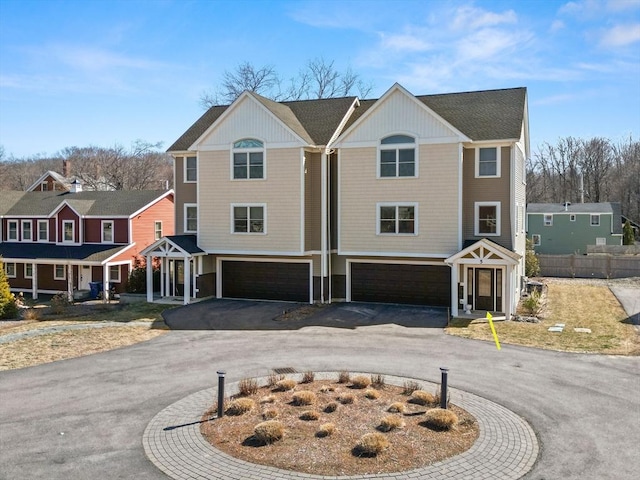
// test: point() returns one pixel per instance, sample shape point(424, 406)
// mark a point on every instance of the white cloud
point(405, 42)
point(469, 17)
point(621, 35)
point(556, 26)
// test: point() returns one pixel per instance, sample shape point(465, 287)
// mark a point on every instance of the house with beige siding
point(402, 199)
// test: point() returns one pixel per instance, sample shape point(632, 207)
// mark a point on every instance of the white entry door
point(85, 277)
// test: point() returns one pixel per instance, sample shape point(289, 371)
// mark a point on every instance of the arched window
point(248, 159)
point(397, 156)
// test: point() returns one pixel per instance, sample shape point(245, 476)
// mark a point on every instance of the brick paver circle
point(507, 447)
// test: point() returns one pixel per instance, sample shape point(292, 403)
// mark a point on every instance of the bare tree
point(319, 79)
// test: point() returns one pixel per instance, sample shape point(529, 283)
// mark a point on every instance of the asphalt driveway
point(227, 314)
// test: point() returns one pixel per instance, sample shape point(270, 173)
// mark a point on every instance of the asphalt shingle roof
point(602, 207)
point(186, 242)
point(482, 115)
point(33, 251)
point(99, 203)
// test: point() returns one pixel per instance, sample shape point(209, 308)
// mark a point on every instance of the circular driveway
point(85, 417)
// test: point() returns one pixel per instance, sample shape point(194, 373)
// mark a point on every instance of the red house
point(53, 241)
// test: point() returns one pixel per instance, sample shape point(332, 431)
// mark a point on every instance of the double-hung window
point(107, 231)
point(59, 272)
point(548, 220)
point(28, 270)
point(249, 218)
point(487, 218)
point(190, 218)
point(157, 229)
point(397, 219)
point(488, 162)
point(27, 234)
point(190, 169)
point(12, 230)
point(397, 156)
point(68, 231)
point(10, 270)
point(536, 239)
point(43, 230)
point(248, 159)
point(114, 273)
point(595, 220)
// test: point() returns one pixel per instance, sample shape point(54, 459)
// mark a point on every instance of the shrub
point(377, 381)
point(628, 238)
point(331, 407)
point(344, 377)
point(273, 379)
point(30, 314)
point(248, 386)
point(441, 418)
point(308, 377)
point(304, 397)
point(240, 406)
point(60, 303)
point(420, 397)
point(532, 303)
point(531, 263)
point(8, 305)
point(360, 382)
point(269, 431)
point(325, 430)
point(346, 398)
point(390, 422)
point(309, 415)
point(270, 414)
point(285, 384)
point(371, 444)
point(409, 387)
point(371, 394)
point(396, 407)
point(137, 281)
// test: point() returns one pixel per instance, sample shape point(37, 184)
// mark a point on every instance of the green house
point(565, 228)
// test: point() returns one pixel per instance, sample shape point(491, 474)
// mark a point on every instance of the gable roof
point(55, 175)
point(94, 203)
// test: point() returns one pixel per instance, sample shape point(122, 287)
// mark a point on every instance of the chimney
point(76, 186)
point(66, 168)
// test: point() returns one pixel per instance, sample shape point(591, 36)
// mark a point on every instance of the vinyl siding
point(313, 201)
point(281, 192)
point(184, 193)
point(435, 192)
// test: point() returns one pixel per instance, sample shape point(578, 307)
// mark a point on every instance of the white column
point(149, 273)
point(187, 280)
point(70, 282)
point(167, 272)
point(34, 281)
point(105, 282)
point(454, 289)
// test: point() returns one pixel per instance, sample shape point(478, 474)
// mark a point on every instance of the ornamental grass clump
point(344, 377)
point(248, 387)
point(371, 445)
point(371, 394)
point(397, 407)
point(420, 397)
point(308, 377)
point(270, 414)
point(309, 415)
point(377, 381)
point(390, 422)
point(303, 397)
point(325, 430)
point(273, 379)
point(269, 431)
point(346, 398)
point(330, 407)
point(327, 388)
point(240, 406)
point(441, 419)
point(285, 384)
point(268, 399)
point(360, 382)
point(409, 387)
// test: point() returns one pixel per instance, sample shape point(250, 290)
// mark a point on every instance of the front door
point(484, 283)
point(85, 277)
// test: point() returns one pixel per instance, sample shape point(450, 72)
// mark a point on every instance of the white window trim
point(572, 217)
point(544, 220)
point(533, 239)
point(44, 187)
point(591, 216)
point(155, 229)
point(189, 205)
point(116, 279)
point(55, 272)
point(17, 224)
point(498, 162)
point(248, 151)
point(6, 269)
point(25, 270)
point(397, 147)
point(73, 231)
point(476, 220)
point(46, 223)
point(398, 204)
point(113, 236)
point(22, 225)
point(248, 205)
point(184, 167)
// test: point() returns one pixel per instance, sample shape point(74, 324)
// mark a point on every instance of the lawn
point(575, 305)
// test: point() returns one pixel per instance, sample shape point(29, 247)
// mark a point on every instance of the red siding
point(143, 225)
point(67, 214)
point(93, 230)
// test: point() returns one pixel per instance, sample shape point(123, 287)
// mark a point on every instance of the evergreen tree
point(628, 237)
point(8, 307)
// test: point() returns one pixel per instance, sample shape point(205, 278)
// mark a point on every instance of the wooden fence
point(589, 266)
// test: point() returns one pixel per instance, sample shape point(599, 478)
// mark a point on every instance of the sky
point(110, 72)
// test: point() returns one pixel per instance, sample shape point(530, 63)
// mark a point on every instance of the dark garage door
point(266, 280)
point(410, 284)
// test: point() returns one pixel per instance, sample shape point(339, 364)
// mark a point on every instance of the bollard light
point(221, 374)
point(443, 387)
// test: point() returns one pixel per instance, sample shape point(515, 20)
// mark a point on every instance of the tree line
point(591, 170)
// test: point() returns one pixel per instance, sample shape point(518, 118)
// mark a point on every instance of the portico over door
point(484, 289)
